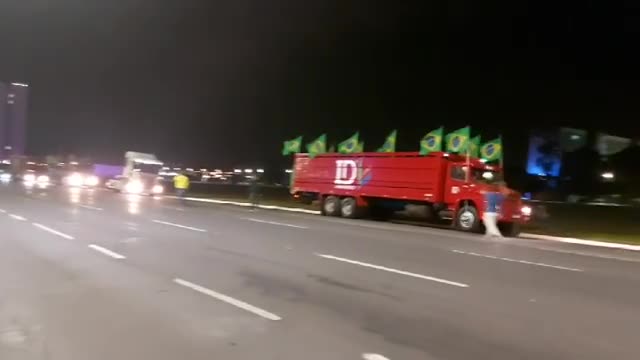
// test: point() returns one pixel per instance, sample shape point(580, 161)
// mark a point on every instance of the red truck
point(377, 183)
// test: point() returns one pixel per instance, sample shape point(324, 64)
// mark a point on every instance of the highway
point(91, 274)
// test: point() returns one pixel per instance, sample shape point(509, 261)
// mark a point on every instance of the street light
point(288, 171)
point(260, 171)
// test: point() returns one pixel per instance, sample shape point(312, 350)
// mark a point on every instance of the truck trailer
point(451, 187)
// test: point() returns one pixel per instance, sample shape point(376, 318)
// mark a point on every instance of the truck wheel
point(331, 206)
point(349, 208)
point(467, 219)
point(510, 229)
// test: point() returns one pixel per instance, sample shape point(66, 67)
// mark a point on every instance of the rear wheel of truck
point(510, 229)
point(349, 208)
point(331, 206)
point(467, 219)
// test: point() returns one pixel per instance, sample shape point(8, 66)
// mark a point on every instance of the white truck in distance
point(139, 175)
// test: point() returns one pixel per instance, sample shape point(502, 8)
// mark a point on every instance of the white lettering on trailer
point(346, 172)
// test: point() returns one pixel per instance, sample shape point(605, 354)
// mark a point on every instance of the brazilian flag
point(474, 147)
point(317, 146)
point(390, 143)
point(492, 150)
point(432, 142)
point(457, 141)
point(350, 145)
point(292, 146)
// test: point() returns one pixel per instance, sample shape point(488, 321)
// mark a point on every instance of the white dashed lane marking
point(517, 261)
point(107, 252)
point(53, 231)
point(179, 226)
point(17, 217)
point(395, 271)
point(229, 300)
point(276, 223)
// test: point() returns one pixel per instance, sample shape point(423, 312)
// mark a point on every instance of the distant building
point(14, 99)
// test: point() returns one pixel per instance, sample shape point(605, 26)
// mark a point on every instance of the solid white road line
point(52, 231)
point(611, 245)
point(107, 252)
point(91, 207)
point(276, 223)
point(401, 272)
point(17, 217)
point(517, 261)
point(374, 357)
point(179, 226)
point(229, 300)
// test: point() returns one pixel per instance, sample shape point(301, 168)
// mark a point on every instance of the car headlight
point(91, 180)
point(5, 177)
point(29, 177)
point(75, 180)
point(43, 179)
point(526, 210)
point(157, 189)
point(134, 187)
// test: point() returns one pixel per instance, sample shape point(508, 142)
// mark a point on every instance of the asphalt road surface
point(99, 275)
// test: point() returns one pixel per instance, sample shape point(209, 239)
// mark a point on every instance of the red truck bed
point(406, 176)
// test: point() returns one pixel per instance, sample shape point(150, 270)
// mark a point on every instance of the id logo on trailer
point(346, 172)
point(351, 174)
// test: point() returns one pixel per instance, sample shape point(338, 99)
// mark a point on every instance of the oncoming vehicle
point(140, 175)
point(81, 177)
point(36, 174)
point(5, 172)
point(379, 183)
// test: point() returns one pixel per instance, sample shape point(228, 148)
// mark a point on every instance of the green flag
point(350, 145)
point(390, 143)
point(492, 150)
point(474, 147)
point(292, 146)
point(432, 142)
point(360, 147)
point(317, 146)
point(457, 140)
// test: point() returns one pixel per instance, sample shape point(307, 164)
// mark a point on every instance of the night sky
point(221, 83)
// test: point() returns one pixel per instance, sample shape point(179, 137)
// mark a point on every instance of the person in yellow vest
point(181, 184)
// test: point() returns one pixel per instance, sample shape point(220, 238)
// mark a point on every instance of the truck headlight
point(91, 180)
point(526, 210)
point(157, 189)
point(75, 180)
point(134, 187)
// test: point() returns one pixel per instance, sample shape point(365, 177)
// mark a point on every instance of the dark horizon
point(225, 84)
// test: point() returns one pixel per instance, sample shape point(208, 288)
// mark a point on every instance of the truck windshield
point(147, 168)
point(486, 176)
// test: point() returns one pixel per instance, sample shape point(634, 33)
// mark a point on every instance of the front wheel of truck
point(467, 219)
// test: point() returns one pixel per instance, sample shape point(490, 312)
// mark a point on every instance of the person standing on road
point(181, 184)
point(493, 199)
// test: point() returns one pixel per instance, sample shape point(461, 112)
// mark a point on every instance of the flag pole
point(468, 163)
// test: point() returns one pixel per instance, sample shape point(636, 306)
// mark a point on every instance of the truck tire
point(349, 208)
point(510, 229)
point(467, 219)
point(331, 206)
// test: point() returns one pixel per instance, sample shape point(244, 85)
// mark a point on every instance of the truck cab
point(140, 175)
point(465, 190)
